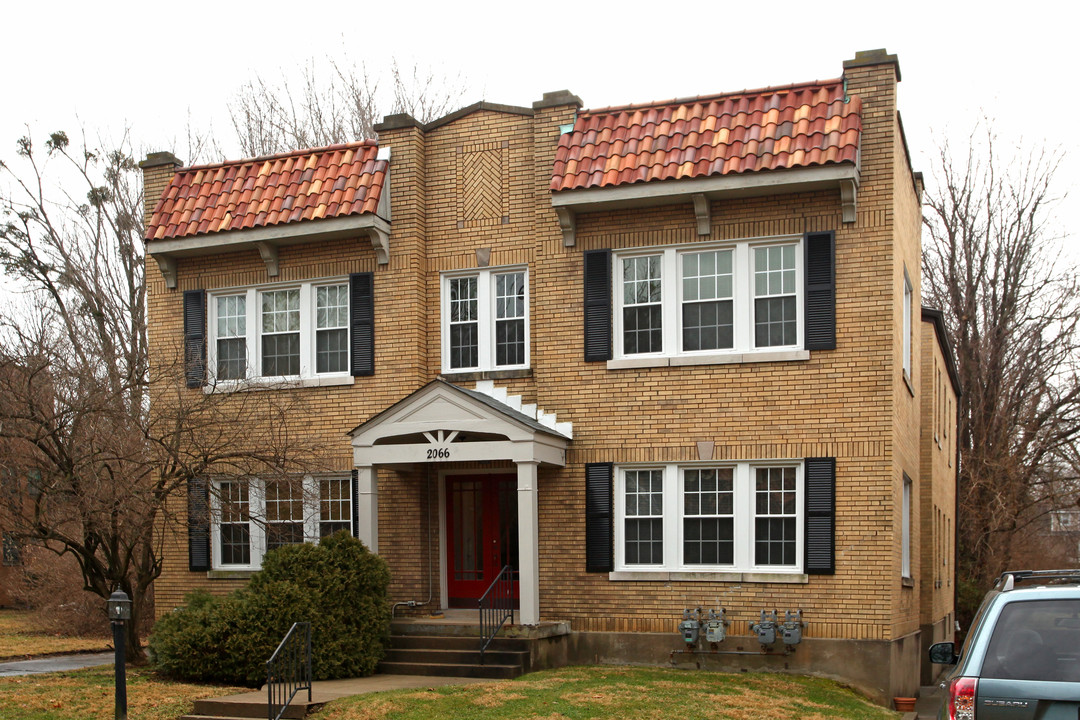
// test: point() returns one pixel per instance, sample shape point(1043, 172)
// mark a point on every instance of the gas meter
point(714, 626)
point(792, 627)
point(690, 625)
point(765, 629)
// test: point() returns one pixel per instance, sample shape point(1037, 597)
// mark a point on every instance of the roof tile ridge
point(711, 98)
point(277, 156)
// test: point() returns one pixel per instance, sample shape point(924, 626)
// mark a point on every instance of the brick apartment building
point(653, 357)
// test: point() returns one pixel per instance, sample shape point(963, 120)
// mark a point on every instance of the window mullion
point(800, 298)
point(617, 306)
point(744, 513)
point(672, 518)
point(670, 297)
point(619, 536)
point(444, 319)
point(311, 498)
point(307, 333)
point(215, 525)
point(742, 308)
point(485, 318)
point(257, 520)
point(253, 350)
point(212, 337)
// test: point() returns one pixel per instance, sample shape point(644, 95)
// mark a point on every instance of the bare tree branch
point(1012, 310)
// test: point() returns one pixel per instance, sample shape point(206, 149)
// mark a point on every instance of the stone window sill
point(685, 576)
point(230, 386)
point(486, 375)
point(230, 574)
point(710, 359)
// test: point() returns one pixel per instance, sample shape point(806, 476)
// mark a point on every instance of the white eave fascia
point(267, 239)
point(844, 176)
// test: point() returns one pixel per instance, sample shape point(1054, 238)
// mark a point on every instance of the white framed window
point(905, 529)
point(485, 320)
point(251, 516)
point(908, 298)
point(289, 331)
point(709, 298)
point(710, 517)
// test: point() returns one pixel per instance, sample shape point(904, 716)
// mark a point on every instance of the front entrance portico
point(444, 424)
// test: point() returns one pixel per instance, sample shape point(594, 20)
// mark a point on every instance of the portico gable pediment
point(444, 422)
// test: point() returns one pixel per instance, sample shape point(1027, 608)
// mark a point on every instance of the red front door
point(482, 534)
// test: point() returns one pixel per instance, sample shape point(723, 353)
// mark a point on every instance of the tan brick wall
point(845, 403)
point(938, 486)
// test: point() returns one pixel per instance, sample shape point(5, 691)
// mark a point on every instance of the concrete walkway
point(60, 663)
point(930, 697)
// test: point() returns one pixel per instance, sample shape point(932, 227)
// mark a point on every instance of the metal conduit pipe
point(431, 585)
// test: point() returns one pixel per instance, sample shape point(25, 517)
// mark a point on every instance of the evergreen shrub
point(339, 586)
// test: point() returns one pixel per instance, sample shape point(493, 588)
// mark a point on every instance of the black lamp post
point(120, 611)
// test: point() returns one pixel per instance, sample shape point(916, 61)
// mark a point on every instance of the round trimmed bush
point(339, 586)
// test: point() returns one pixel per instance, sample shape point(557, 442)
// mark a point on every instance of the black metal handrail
point(496, 607)
point(288, 671)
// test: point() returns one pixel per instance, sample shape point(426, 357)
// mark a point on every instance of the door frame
point(444, 540)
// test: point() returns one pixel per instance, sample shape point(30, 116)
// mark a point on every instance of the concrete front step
point(457, 657)
point(454, 642)
point(247, 706)
point(464, 670)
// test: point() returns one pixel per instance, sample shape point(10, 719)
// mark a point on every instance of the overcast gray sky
point(108, 65)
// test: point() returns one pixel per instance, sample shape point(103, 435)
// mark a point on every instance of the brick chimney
point(158, 169)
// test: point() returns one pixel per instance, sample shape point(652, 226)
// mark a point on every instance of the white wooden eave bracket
point(167, 265)
point(848, 198)
point(379, 233)
point(269, 254)
point(701, 212)
point(568, 226)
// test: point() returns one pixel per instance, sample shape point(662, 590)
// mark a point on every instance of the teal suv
point(1021, 660)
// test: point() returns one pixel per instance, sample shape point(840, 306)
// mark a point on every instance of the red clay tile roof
point(327, 182)
point(781, 127)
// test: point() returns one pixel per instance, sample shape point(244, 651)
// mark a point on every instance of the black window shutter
point(820, 516)
point(195, 337)
point(597, 305)
point(362, 322)
point(354, 488)
point(198, 524)
point(599, 519)
point(820, 291)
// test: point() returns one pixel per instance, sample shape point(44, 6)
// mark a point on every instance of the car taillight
point(962, 698)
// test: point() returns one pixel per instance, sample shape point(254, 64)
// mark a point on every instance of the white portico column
point(367, 506)
point(528, 543)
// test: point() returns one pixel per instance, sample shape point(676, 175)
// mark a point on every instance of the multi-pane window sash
point(252, 516)
point(231, 336)
point(709, 298)
point(719, 517)
point(332, 329)
point(280, 312)
point(775, 301)
point(293, 331)
point(485, 320)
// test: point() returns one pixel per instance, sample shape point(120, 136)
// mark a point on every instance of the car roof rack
point(1008, 579)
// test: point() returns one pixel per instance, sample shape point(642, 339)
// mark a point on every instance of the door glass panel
point(468, 530)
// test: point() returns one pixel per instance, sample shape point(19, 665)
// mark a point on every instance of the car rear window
point(1036, 640)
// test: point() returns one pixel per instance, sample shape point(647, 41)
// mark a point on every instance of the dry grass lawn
point(89, 694)
point(19, 640)
point(585, 693)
